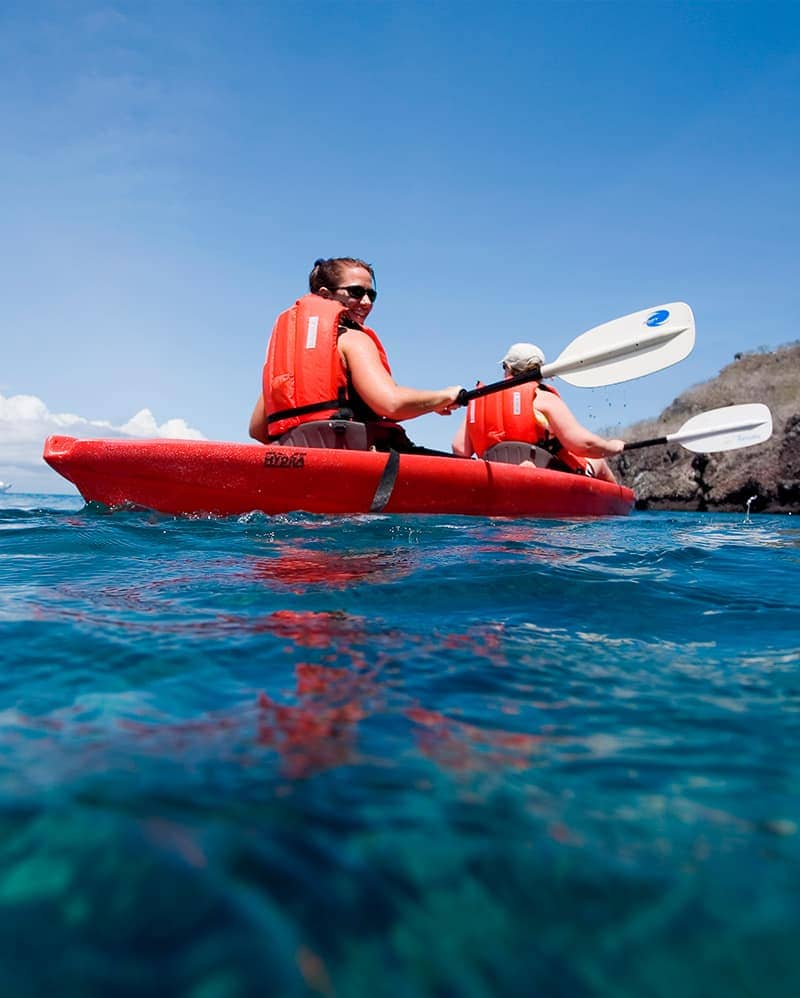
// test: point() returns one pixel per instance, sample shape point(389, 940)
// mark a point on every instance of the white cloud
point(25, 421)
point(143, 424)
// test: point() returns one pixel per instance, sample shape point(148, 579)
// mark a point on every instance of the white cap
point(522, 356)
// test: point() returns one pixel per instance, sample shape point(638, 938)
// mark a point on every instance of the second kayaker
point(532, 414)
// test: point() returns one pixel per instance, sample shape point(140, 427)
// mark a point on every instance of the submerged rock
point(671, 477)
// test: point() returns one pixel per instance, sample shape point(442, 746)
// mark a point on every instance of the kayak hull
point(224, 479)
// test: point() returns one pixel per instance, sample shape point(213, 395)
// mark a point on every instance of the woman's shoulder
point(353, 335)
point(355, 345)
point(545, 397)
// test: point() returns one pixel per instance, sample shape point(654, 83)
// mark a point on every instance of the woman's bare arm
point(462, 445)
point(571, 433)
point(380, 391)
point(258, 422)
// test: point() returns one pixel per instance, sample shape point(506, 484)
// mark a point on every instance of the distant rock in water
point(671, 477)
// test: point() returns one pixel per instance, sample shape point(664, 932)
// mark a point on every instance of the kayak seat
point(335, 434)
point(515, 452)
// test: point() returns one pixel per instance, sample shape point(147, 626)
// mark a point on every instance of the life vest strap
point(302, 410)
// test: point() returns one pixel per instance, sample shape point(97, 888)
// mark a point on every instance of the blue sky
point(518, 172)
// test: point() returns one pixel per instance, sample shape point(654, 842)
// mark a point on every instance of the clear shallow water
point(398, 756)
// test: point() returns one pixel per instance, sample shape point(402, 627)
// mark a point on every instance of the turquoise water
point(398, 756)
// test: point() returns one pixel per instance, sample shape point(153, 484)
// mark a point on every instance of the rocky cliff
point(671, 477)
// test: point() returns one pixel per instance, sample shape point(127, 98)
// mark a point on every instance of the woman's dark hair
point(325, 273)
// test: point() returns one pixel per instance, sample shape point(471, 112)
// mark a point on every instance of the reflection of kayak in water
point(198, 476)
point(5, 486)
point(299, 568)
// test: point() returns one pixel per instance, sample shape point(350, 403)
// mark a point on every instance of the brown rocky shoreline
point(671, 477)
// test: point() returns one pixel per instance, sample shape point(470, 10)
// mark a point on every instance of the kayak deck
point(224, 479)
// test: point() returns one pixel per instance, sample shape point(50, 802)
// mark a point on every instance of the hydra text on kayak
point(273, 460)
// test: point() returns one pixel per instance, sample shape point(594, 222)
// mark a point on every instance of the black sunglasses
point(357, 292)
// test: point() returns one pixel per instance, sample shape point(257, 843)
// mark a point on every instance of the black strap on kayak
point(383, 493)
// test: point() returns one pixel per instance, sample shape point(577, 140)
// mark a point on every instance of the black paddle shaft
point(647, 443)
point(534, 374)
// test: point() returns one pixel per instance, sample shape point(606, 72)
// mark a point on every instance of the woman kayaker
point(533, 413)
point(323, 363)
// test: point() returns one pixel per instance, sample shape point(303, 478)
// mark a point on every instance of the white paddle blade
point(627, 348)
point(728, 428)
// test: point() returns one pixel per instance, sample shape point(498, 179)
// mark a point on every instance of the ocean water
point(398, 756)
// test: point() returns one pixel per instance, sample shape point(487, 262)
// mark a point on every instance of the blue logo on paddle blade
point(657, 318)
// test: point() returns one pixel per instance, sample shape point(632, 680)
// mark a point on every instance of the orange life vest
point(304, 377)
point(510, 415)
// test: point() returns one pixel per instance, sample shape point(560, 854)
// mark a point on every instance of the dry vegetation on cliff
point(671, 477)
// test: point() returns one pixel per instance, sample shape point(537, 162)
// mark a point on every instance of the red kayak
point(224, 479)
